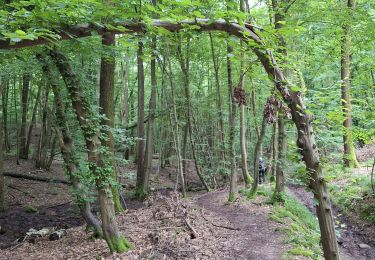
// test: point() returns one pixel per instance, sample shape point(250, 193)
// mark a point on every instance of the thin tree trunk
point(125, 115)
point(218, 102)
point(233, 189)
point(275, 150)
point(2, 178)
point(116, 242)
point(44, 138)
point(5, 96)
point(184, 64)
point(33, 119)
point(350, 159)
point(16, 120)
point(23, 154)
point(257, 155)
point(245, 170)
point(140, 193)
point(177, 132)
point(280, 177)
point(106, 103)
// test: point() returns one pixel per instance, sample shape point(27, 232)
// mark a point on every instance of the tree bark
point(233, 189)
point(33, 119)
point(43, 143)
point(150, 124)
point(116, 242)
point(140, 192)
point(176, 131)
point(23, 154)
point(280, 177)
point(218, 102)
point(2, 179)
point(4, 97)
point(257, 154)
point(106, 103)
point(66, 146)
point(245, 170)
point(350, 159)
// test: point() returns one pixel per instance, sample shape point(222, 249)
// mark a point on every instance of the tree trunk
point(150, 124)
point(16, 120)
point(33, 119)
point(176, 133)
point(41, 159)
point(184, 64)
point(280, 177)
point(124, 113)
point(70, 160)
point(5, 96)
point(83, 110)
point(350, 159)
point(233, 189)
point(106, 103)
point(245, 170)
point(257, 154)
point(218, 102)
point(23, 154)
point(271, 168)
point(140, 192)
point(2, 179)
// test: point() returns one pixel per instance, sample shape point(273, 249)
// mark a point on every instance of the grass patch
point(301, 228)
point(31, 209)
point(352, 193)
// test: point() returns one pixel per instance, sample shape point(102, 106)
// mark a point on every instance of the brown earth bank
point(353, 232)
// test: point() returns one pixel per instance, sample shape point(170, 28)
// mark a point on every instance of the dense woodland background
point(203, 88)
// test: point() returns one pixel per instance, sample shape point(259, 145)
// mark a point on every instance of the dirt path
point(256, 237)
point(352, 233)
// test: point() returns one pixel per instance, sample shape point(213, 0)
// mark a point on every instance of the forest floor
point(162, 227)
point(157, 227)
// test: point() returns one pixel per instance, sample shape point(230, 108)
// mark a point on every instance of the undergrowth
point(352, 193)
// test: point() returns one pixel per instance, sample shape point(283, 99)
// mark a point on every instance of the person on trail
point(262, 170)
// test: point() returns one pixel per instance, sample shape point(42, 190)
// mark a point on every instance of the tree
point(90, 128)
point(350, 159)
point(141, 184)
point(106, 103)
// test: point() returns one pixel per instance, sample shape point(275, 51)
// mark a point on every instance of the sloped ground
point(352, 230)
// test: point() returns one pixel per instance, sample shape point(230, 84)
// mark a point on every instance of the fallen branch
point(193, 233)
point(219, 226)
point(24, 192)
point(61, 204)
point(35, 178)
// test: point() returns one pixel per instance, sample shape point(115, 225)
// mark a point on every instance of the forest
point(187, 129)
